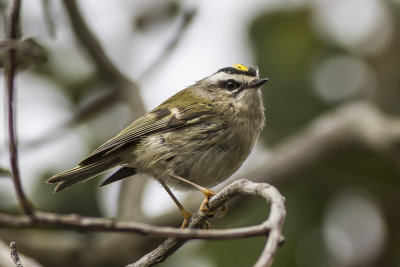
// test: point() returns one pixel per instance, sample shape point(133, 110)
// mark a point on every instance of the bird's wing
point(163, 118)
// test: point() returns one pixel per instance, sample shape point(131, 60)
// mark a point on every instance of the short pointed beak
point(257, 82)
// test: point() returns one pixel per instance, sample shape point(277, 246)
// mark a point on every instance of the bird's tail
point(81, 173)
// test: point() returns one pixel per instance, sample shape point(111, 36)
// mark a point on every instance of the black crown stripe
point(231, 70)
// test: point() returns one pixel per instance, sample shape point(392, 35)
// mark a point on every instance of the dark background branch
point(13, 33)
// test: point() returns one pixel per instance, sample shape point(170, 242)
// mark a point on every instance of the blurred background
point(331, 144)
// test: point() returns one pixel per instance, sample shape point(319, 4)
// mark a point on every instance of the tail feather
point(81, 173)
point(66, 184)
point(118, 175)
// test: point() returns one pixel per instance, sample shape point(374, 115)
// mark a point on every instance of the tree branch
point(13, 33)
point(272, 227)
point(77, 222)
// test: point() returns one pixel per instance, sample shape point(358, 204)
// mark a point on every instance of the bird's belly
point(205, 158)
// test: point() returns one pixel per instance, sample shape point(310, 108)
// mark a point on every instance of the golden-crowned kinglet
point(195, 139)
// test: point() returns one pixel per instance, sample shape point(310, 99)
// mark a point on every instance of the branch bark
point(14, 255)
point(13, 33)
point(271, 228)
point(6, 260)
point(81, 223)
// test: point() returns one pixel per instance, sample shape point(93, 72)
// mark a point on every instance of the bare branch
point(14, 255)
point(272, 227)
point(13, 33)
point(74, 221)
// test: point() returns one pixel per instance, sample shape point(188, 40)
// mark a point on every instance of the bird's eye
point(231, 85)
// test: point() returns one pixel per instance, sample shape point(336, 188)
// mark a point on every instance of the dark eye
point(231, 85)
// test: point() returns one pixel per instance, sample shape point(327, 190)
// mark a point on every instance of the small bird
point(194, 140)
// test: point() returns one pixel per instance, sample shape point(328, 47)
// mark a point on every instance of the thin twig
point(13, 33)
point(14, 255)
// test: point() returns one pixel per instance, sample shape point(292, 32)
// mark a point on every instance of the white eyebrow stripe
point(221, 76)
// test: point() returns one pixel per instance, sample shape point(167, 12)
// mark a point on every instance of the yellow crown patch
point(240, 67)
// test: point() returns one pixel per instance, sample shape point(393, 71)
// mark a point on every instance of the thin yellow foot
point(207, 195)
point(223, 209)
point(206, 225)
point(186, 217)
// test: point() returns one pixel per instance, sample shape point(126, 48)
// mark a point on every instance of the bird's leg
point(207, 193)
point(185, 213)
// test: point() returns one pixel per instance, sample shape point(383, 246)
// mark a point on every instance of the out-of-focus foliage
point(285, 48)
point(311, 74)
